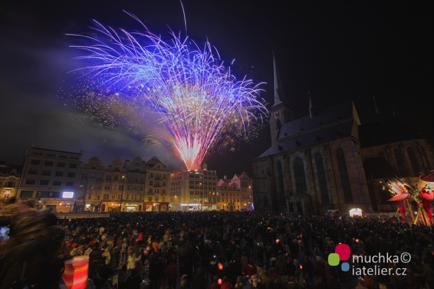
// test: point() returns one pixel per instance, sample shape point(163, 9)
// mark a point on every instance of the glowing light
point(196, 97)
point(355, 212)
point(219, 281)
point(220, 266)
point(68, 195)
point(277, 241)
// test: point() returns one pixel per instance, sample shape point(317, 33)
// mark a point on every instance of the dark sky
point(339, 50)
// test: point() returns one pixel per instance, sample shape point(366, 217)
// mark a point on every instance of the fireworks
point(398, 189)
point(196, 97)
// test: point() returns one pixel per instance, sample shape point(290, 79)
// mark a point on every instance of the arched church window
point(279, 176)
point(414, 161)
point(401, 163)
point(343, 173)
point(299, 176)
point(322, 179)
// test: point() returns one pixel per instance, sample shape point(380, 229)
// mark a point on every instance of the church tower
point(279, 113)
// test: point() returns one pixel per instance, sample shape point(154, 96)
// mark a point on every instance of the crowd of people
point(222, 250)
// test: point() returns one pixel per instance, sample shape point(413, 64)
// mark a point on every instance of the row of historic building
point(329, 160)
point(61, 181)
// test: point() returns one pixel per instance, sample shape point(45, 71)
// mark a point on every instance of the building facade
point(314, 163)
point(407, 158)
point(193, 190)
point(330, 161)
point(130, 186)
point(52, 177)
point(60, 181)
point(105, 187)
point(157, 182)
point(9, 182)
point(234, 194)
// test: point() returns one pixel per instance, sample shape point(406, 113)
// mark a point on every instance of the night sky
point(339, 50)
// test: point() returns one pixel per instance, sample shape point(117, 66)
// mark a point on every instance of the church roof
point(306, 140)
point(335, 122)
point(386, 130)
point(303, 125)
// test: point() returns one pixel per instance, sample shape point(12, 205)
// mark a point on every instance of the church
point(315, 163)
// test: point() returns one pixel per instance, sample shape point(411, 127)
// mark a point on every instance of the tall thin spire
point(277, 100)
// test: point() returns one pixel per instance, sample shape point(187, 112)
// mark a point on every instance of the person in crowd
point(250, 250)
point(205, 250)
point(32, 255)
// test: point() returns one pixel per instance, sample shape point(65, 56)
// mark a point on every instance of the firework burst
point(197, 98)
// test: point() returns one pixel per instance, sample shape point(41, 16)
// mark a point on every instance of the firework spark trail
point(197, 98)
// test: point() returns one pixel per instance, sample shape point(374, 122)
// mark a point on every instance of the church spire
point(279, 113)
point(277, 100)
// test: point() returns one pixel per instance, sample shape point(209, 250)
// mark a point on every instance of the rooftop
point(53, 150)
point(333, 123)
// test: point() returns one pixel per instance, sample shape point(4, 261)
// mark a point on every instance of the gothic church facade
point(314, 163)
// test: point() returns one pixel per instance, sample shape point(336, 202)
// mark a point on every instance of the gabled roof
point(9, 170)
point(155, 162)
point(94, 163)
point(306, 125)
point(137, 164)
point(235, 181)
point(244, 175)
point(221, 183)
point(332, 123)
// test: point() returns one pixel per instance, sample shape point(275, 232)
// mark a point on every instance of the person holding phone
point(31, 254)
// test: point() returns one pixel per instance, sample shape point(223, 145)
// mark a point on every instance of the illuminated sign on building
point(67, 195)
